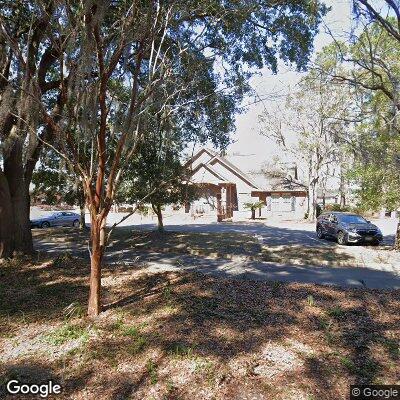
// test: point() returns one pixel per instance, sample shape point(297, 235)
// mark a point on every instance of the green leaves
point(254, 205)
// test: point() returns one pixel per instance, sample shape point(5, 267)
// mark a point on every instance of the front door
point(275, 203)
point(286, 203)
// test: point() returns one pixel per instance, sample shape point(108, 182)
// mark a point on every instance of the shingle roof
point(259, 180)
point(215, 157)
point(211, 170)
point(268, 183)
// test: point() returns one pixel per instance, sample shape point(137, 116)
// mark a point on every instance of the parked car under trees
point(347, 228)
point(61, 218)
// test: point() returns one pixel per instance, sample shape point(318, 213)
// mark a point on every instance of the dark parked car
point(347, 228)
point(60, 218)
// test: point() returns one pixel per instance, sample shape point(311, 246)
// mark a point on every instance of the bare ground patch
point(307, 255)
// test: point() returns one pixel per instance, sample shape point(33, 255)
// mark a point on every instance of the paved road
point(357, 266)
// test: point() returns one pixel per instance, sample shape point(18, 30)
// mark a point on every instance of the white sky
point(251, 149)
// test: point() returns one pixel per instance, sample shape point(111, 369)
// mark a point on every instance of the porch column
point(263, 209)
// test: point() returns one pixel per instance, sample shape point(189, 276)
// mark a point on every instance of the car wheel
point(341, 238)
point(45, 225)
point(75, 224)
point(320, 234)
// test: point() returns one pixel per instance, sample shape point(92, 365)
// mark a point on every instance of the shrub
point(152, 371)
point(337, 207)
point(336, 312)
point(334, 207)
point(253, 206)
point(67, 333)
point(310, 300)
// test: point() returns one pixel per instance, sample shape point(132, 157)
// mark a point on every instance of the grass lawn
point(187, 336)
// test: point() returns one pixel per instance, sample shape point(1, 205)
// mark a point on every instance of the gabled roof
point(216, 158)
point(199, 153)
point(211, 170)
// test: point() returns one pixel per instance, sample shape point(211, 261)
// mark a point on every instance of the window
point(275, 202)
point(286, 202)
point(352, 219)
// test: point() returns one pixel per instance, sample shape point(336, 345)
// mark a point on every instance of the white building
point(225, 189)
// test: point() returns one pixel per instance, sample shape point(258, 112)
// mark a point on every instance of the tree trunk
point(315, 202)
point(20, 200)
point(81, 202)
point(157, 209)
point(253, 213)
point(310, 216)
point(397, 238)
point(312, 193)
point(342, 188)
point(82, 221)
point(323, 184)
point(6, 218)
point(96, 259)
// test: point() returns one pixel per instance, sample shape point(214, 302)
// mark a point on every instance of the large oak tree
point(28, 53)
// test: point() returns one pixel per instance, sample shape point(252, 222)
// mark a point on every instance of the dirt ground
point(177, 335)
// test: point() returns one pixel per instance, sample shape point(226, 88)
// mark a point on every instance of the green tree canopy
point(113, 58)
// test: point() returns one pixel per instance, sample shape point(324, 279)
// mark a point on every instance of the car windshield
point(352, 219)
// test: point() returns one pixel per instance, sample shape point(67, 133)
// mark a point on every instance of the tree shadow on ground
point(34, 291)
point(178, 334)
point(222, 238)
point(297, 254)
point(247, 251)
point(238, 238)
point(218, 245)
point(223, 319)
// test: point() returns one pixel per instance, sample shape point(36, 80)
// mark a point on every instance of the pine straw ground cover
point(187, 336)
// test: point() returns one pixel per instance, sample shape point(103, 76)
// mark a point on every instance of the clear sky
point(251, 149)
